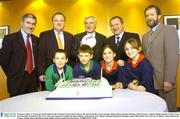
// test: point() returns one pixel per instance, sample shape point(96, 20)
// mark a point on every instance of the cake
point(81, 89)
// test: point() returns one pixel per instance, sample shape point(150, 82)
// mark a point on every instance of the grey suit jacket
point(161, 49)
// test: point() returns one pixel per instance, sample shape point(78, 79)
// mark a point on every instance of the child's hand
point(140, 88)
point(118, 85)
point(120, 62)
point(42, 78)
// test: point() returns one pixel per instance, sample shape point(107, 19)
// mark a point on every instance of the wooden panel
point(3, 87)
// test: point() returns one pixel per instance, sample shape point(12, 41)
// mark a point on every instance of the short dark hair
point(61, 51)
point(58, 13)
point(29, 15)
point(108, 46)
point(118, 17)
point(158, 10)
point(85, 49)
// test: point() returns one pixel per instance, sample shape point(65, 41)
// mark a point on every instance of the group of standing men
point(25, 57)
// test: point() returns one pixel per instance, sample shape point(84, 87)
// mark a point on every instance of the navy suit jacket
point(120, 54)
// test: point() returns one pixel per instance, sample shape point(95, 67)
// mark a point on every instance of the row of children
point(136, 73)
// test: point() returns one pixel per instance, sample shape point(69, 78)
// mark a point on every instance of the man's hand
point(167, 86)
point(42, 78)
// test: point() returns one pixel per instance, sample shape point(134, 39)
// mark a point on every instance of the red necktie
point(29, 61)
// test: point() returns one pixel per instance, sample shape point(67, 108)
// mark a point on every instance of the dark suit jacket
point(13, 59)
point(48, 46)
point(120, 54)
point(97, 50)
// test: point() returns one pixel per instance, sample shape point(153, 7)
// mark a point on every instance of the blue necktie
point(117, 38)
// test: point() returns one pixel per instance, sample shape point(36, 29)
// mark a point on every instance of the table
point(124, 100)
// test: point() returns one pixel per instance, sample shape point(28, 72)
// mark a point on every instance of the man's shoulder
point(167, 27)
point(100, 35)
point(131, 34)
point(111, 37)
point(12, 36)
point(68, 33)
point(47, 31)
point(80, 34)
point(34, 36)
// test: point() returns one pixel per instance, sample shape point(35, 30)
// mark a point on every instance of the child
point(139, 68)
point(86, 67)
point(58, 71)
point(114, 73)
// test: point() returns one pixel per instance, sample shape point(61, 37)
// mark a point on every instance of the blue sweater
point(118, 75)
point(94, 73)
point(143, 73)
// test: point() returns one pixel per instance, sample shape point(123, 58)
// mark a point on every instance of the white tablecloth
point(124, 100)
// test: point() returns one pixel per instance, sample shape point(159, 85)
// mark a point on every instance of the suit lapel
point(34, 45)
point(153, 36)
point(21, 40)
point(53, 39)
point(65, 40)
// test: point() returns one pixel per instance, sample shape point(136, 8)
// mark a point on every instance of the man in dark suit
point(52, 40)
point(90, 37)
point(19, 58)
point(118, 39)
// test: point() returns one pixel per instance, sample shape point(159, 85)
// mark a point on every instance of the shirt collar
point(56, 32)
point(104, 67)
point(24, 34)
point(154, 28)
point(93, 34)
point(56, 70)
point(120, 35)
point(141, 57)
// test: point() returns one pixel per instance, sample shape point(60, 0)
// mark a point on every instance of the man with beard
point(90, 37)
point(160, 46)
point(18, 58)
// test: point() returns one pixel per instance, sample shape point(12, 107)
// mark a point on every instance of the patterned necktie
point(150, 36)
point(117, 38)
point(59, 42)
point(29, 61)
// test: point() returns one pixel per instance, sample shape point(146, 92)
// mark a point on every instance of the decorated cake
point(81, 89)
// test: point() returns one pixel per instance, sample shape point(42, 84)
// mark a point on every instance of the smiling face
point(58, 22)
point(85, 58)
point(60, 60)
point(108, 55)
point(131, 52)
point(152, 18)
point(90, 24)
point(116, 26)
point(28, 25)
